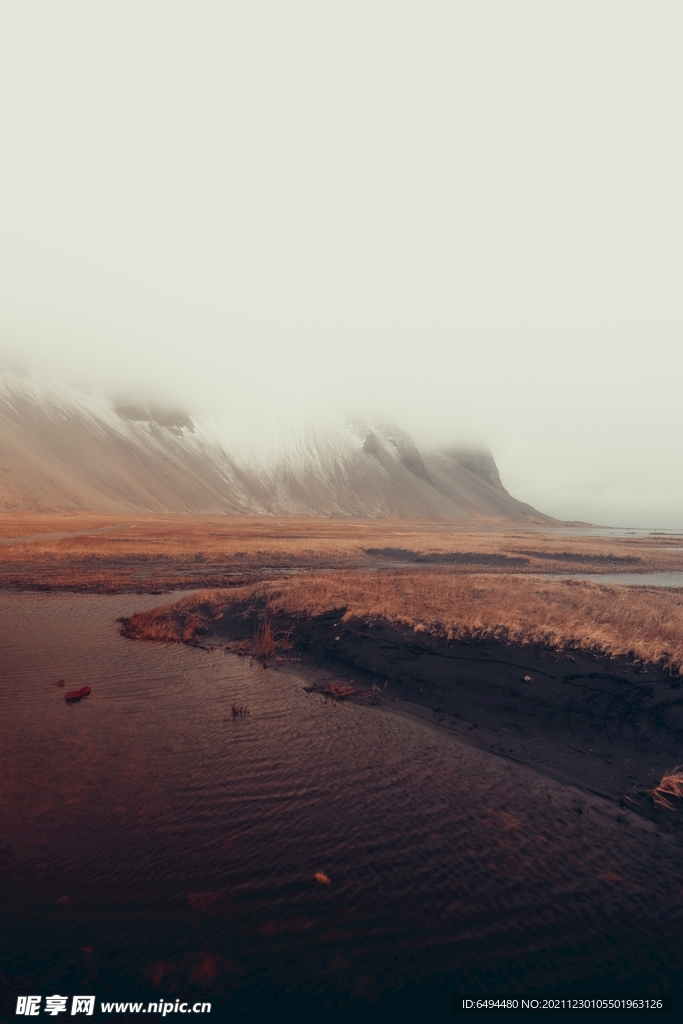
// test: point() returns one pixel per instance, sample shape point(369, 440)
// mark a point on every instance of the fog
point(464, 217)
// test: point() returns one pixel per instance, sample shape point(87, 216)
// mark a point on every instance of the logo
point(29, 1006)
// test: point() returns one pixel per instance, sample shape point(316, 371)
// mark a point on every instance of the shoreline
point(129, 576)
point(606, 727)
point(152, 801)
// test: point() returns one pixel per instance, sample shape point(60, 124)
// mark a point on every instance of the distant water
point(626, 579)
point(153, 845)
point(614, 531)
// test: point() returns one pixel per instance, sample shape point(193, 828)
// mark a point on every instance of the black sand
point(607, 726)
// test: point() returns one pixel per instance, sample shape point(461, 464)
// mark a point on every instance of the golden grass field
point(264, 540)
point(642, 623)
point(154, 552)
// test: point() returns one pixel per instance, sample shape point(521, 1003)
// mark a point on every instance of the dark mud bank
point(607, 726)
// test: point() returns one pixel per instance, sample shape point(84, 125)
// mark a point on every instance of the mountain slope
point(63, 450)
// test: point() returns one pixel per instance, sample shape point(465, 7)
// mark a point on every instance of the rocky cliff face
point(61, 449)
point(479, 461)
point(397, 445)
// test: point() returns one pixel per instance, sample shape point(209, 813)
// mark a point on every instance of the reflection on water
point(625, 579)
point(154, 844)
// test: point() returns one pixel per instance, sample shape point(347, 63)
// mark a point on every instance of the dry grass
point(641, 623)
point(267, 641)
point(339, 691)
point(264, 640)
point(195, 543)
point(670, 785)
point(165, 624)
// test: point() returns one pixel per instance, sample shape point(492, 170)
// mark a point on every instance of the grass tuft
point(670, 785)
point(340, 690)
point(267, 641)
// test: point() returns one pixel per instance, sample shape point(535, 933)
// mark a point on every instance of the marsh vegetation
point(641, 623)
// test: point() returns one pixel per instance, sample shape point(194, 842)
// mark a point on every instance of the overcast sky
point(465, 216)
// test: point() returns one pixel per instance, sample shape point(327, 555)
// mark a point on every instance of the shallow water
point(625, 579)
point(153, 845)
point(612, 531)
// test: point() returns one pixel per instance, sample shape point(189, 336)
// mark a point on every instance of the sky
point(466, 217)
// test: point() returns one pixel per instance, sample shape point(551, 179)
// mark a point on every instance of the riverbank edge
point(588, 721)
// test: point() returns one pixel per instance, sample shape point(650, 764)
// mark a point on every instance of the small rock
point(75, 695)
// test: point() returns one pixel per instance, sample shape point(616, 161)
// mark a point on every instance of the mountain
point(61, 449)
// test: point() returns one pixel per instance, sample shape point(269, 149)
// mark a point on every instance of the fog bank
point(461, 217)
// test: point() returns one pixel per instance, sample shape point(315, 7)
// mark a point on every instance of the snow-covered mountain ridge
point(61, 449)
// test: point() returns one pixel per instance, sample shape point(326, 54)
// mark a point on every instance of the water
point(153, 845)
point(612, 531)
point(625, 579)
